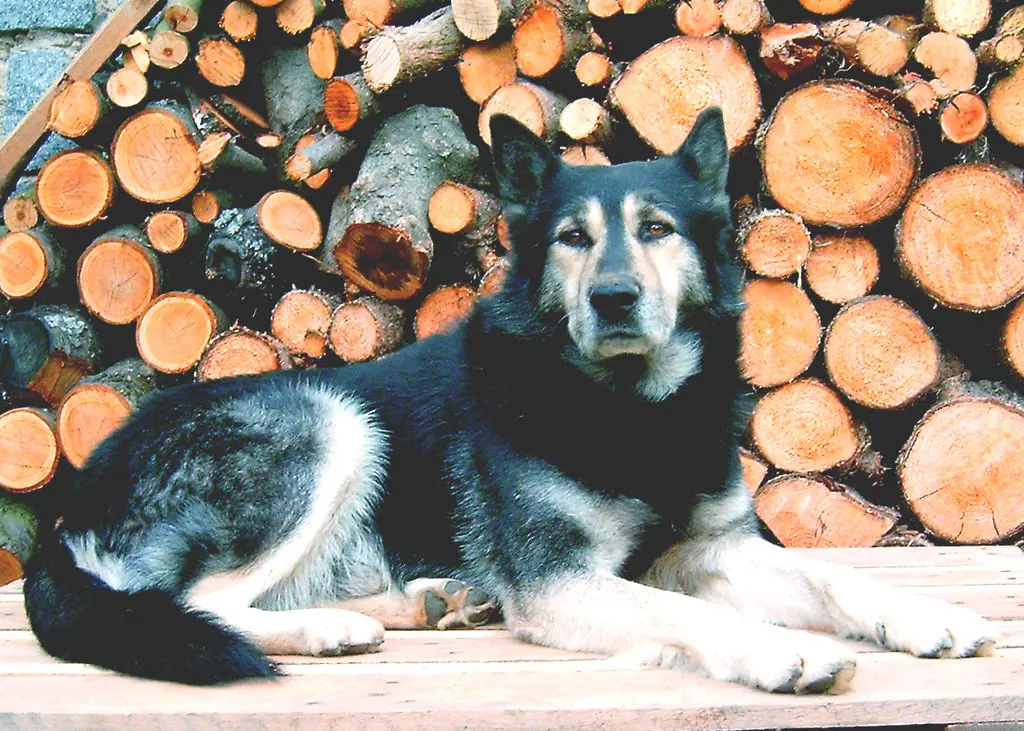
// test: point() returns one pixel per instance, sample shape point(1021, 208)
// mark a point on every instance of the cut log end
point(754, 470)
point(239, 20)
point(443, 309)
point(698, 17)
point(880, 353)
point(1006, 105)
point(952, 61)
point(74, 189)
point(535, 108)
point(383, 260)
point(301, 320)
point(322, 51)
point(963, 118)
point(290, 220)
point(20, 213)
point(76, 109)
point(127, 87)
point(29, 454)
point(220, 62)
point(24, 265)
point(452, 208)
point(240, 351)
point(155, 157)
point(486, 67)
point(478, 20)
point(168, 231)
point(117, 279)
point(88, 414)
point(540, 40)
point(365, 329)
point(174, 331)
point(1013, 338)
point(964, 18)
point(842, 267)
point(807, 512)
point(775, 244)
point(779, 331)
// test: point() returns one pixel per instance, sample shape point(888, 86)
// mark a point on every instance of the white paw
point(339, 632)
point(928, 628)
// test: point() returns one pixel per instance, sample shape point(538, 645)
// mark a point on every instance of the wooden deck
point(485, 679)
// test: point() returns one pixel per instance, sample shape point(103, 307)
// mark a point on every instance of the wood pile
point(272, 184)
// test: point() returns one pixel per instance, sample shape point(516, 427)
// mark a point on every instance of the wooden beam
point(100, 47)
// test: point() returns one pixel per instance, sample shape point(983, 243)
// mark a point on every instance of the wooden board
point(487, 679)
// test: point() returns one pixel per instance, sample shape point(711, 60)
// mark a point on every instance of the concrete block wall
point(37, 40)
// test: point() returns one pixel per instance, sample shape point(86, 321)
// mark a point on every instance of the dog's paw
point(451, 604)
point(339, 632)
point(929, 628)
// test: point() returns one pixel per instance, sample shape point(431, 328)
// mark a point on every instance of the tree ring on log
point(155, 157)
point(289, 220)
point(88, 414)
point(29, 453)
point(174, 331)
point(117, 280)
point(24, 268)
point(780, 332)
point(74, 188)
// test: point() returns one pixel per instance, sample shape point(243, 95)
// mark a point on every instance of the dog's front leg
point(608, 615)
point(782, 586)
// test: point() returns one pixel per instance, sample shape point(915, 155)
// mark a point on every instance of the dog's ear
point(705, 153)
point(522, 162)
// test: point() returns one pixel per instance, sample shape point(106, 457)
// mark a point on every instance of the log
point(921, 95)
point(175, 329)
point(29, 261)
point(240, 262)
point(220, 61)
point(585, 155)
point(207, 205)
point(960, 470)
point(20, 212)
point(323, 49)
point(119, 274)
point(826, 7)
point(959, 217)
point(98, 405)
point(534, 106)
point(480, 20)
point(815, 512)
point(156, 155)
point(1013, 338)
point(239, 20)
point(875, 47)
point(838, 153)
point(75, 189)
point(294, 95)
point(386, 248)
point(595, 69)
point(398, 55)
point(348, 100)
point(964, 18)
point(298, 16)
point(366, 328)
point(290, 220)
point(379, 13)
point(18, 529)
point(316, 155)
point(29, 454)
point(1005, 102)
point(698, 17)
point(443, 309)
point(550, 38)
point(49, 349)
point(301, 320)
point(663, 91)
point(754, 470)
point(745, 17)
point(220, 153)
point(485, 67)
point(805, 427)
point(963, 118)
point(773, 243)
point(168, 48)
point(170, 231)
point(493, 277)
point(127, 87)
point(779, 332)
point(586, 122)
point(952, 61)
point(78, 108)
point(880, 353)
point(239, 351)
point(790, 48)
point(183, 15)
point(459, 209)
point(1002, 51)
point(842, 267)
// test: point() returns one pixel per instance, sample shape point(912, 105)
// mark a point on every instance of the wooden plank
point(933, 556)
point(19, 144)
point(888, 689)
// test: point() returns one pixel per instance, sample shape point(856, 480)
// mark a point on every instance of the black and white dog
point(570, 451)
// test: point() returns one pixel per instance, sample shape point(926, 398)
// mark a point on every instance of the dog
point(570, 451)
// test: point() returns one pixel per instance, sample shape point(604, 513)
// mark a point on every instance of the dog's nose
point(614, 301)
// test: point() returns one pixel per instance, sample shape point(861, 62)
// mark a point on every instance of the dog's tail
point(148, 633)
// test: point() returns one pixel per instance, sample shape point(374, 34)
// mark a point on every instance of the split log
point(790, 48)
point(443, 309)
point(386, 248)
point(957, 219)
point(838, 153)
point(348, 100)
point(960, 470)
point(298, 16)
point(962, 17)
point(534, 106)
point(486, 67)
point(156, 155)
point(20, 212)
point(239, 20)
point(698, 17)
point(952, 61)
point(745, 17)
point(663, 91)
point(323, 49)
point(29, 454)
point(1005, 102)
point(175, 329)
point(779, 332)
point(301, 320)
point(29, 261)
point(127, 87)
point(75, 189)
point(119, 274)
point(842, 267)
point(480, 20)
point(550, 38)
point(98, 405)
point(49, 349)
point(18, 529)
point(366, 328)
point(170, 231)
point(1013, 338)
point(812, 512)
point(805, 427)
point(398, 55)
point(773, 243)
point(239, 351)
point(77, 108)
point(963, 118)
point(754, 470)
point(880, 353)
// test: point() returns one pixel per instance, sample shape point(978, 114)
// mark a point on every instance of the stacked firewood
point(269, 184)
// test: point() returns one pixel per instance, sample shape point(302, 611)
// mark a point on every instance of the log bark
point(773, 243)
point(366, 328)
point(156, 154)
point(119, 274)
point(399, 55)
point(960, 470)
point(18, 530)
point(220, 154)
point(812, 512)
point(302, 320)
point(75, 189)
point(322, 153)
point(880, 353)
point(443, 309)
point(29, 262)
point(842, 267)
point(240, 262)
point(387, 248)
point(175, 329)
point(29, 454)
point(837, 153)
point(779, 332)
point(98, 405)
point(956, 218)
point(239, 351)
point(379, 13)
point(1002, 51)
point(294, 95)
point(663, 91)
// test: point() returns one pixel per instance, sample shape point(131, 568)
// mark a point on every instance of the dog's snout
point(614, 301)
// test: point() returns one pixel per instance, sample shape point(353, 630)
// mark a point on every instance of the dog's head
point(628, 262)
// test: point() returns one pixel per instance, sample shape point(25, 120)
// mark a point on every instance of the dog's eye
point(573, 237)
point(656, 230)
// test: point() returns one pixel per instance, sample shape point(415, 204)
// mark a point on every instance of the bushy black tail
point(148, 633)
